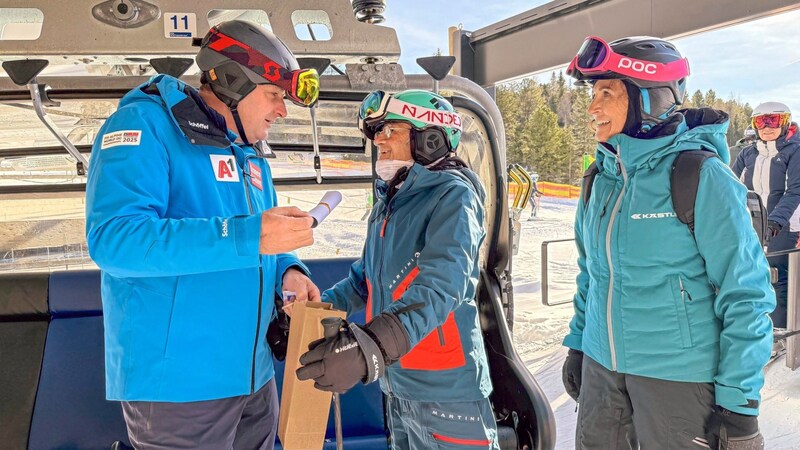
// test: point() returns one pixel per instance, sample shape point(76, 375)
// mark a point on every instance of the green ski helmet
point(436, 126)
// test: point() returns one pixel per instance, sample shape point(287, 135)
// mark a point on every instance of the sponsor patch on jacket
point(224, 168)
point(124, 137)
point(255, 175)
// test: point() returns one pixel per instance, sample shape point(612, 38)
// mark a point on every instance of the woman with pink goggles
point(664, 311)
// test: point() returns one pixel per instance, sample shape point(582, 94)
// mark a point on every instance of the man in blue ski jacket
point(671, 330)
point(417, 281)
point(183, 223)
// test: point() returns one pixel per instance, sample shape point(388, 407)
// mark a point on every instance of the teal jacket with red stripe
point(422, 249)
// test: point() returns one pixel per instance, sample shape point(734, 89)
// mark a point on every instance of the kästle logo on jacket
point(661, 215)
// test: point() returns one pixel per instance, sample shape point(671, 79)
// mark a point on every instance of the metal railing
point(546, 277)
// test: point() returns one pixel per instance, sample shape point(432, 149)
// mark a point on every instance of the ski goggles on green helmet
point(378, 107)
point(372, 110)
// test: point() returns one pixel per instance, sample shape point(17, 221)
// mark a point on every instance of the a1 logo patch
point(224, 168)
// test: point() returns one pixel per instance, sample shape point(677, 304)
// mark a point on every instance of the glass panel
point(477, 153)
point(78, 120)
point(47, 232)
point(20, 24)
point(43, 234)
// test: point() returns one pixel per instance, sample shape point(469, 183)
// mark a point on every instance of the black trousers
point(247, 422)
point(620, 411)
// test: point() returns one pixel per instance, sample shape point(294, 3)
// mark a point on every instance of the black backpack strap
point(684, 180)
point(588, 182)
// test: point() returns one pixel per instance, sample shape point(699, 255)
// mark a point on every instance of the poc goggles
point(301, 86)
point(777, 120)
point(595, 57)
point(378, 104)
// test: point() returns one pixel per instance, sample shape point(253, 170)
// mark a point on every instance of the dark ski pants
point(785, 240)
point(247, 422)
point(449, 425)
point(620, 411)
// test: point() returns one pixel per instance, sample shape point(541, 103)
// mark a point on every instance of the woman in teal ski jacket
point(669, 322)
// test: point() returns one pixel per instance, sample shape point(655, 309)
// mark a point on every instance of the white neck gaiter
point(387, 168)
point(761, 169)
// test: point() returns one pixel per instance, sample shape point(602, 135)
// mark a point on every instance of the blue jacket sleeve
point(127, 195)
point(737, 267)
point(447, 264)
point(574, 339)
point(791, 197)
point(351, 293)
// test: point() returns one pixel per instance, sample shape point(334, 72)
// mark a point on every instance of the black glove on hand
point(278, 335)
point(354, 354)
point(774, 228)
point(728, 430)
point(571, 373)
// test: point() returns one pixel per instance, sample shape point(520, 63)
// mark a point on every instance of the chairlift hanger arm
point(37, 91)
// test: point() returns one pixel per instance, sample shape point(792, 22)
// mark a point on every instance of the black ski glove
point(354, 354)
point(571, 373)
point(728, 430)
point(773, 228)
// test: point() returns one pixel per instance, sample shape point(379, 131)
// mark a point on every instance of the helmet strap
point(239, 127)
point(633, 121)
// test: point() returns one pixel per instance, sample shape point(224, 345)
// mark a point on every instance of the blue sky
point(755, 62)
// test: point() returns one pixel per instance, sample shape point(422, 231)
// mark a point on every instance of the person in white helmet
point(771, 167)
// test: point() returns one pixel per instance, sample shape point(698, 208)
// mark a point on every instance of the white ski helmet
point(771, 108)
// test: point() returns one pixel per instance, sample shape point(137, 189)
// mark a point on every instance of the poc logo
point(637, 66)
point(198, 125)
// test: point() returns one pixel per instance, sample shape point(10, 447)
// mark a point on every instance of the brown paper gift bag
point(304, 409)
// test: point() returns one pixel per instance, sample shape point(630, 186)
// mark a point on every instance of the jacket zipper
point(380, 281)
point(602, 214)
point(260, 282)
point(610, 265)
point(684, 292)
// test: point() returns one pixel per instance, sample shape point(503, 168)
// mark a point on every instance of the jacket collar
point(199, 123)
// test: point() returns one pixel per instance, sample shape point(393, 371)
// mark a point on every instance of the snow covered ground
point(538, 331)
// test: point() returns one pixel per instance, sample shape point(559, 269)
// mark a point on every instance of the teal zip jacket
point(652, 299)
point(173, 221)
point(421, 255)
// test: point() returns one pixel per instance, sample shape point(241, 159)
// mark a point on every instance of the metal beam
point(548, 36)
point(70, 34)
